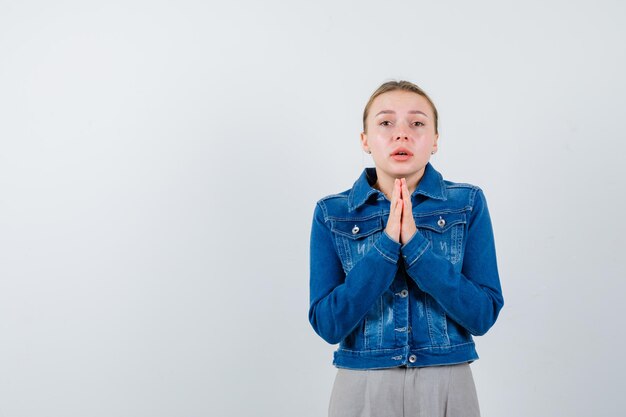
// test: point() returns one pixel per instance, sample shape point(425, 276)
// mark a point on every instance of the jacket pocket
point(355, 238)
point(445, 233)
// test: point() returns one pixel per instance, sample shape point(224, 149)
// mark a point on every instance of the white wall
point(160, 162)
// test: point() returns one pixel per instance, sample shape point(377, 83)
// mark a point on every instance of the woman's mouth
point(401, 154)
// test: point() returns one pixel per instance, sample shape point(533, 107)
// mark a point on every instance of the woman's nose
point(401, 133)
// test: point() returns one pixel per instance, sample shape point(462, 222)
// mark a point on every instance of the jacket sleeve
point(339, 301)
point(472, 298)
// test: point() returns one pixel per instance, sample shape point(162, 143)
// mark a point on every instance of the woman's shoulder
point(343, 195)
point(471, 195)
point(455, 184)
point(456, 187)
point(334, 201)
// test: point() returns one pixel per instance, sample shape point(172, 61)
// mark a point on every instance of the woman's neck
point(384, 182)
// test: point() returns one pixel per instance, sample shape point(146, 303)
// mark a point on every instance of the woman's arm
point(472, 298)
point(338, 301)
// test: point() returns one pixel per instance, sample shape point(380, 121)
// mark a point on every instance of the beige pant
point(433, 391)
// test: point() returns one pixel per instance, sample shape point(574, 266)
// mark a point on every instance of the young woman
point(403, 271)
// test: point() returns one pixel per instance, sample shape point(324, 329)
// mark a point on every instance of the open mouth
point(402, 152)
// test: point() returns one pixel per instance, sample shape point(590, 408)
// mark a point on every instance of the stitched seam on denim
point(395, 349)
point(355, 219)
point(429, 319)
point(380, 322)
point(441, 347)
point(442, 211)
point(460, 235)
point(331, 196)
point(456, 244)
point(345, 245)
point(456, 214)
point(444, 189)
point(363, 352)
point(473, 195)
point(384, 255)
point(420, 254)
point(383, 213)
point(439, 230)
point(350, 235)
point(400, 305)
point(427, 194)
point(384, 366)
point(322, 205)
point(445, 329)
point(461, 185)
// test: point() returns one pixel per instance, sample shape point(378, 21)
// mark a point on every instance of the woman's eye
point(418, 124)
point(385, 123)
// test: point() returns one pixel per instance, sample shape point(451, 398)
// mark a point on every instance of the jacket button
point(404, 293)
point(441, 222)
point(355, 229)
point(412, 358)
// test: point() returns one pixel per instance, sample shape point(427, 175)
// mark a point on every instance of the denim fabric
point(416, 304)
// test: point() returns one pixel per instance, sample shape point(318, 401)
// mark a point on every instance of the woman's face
point(400, 133)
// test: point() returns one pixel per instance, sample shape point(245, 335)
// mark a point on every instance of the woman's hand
point(394, 222)
point(401, 224)
point(407, 223)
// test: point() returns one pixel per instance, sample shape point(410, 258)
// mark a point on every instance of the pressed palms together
point(401, 224)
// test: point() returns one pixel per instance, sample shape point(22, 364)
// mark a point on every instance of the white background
point(160, 162)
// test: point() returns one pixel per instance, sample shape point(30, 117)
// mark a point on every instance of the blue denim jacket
point(416, 304)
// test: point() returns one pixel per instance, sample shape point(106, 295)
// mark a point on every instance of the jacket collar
point(431, 185)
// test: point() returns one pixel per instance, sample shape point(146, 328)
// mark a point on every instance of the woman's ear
point(364, 144)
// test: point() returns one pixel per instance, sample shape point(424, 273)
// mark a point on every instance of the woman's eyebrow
point(393, 112)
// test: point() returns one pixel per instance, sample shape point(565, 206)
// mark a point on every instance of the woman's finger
point(395, 212)
point(406, 196)
point(408, 227)
point(397, 207)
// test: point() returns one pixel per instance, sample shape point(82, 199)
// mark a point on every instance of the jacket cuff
point(414, 248)
point(388, 248)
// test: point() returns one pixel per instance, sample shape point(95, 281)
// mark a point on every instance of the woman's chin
point(405, 172)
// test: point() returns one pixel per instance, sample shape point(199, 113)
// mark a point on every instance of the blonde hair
point(398, 85)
